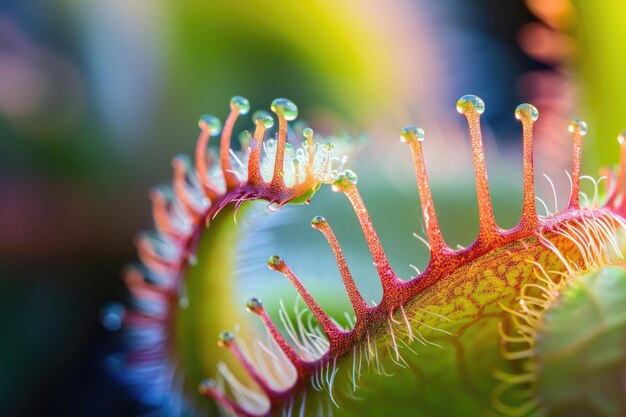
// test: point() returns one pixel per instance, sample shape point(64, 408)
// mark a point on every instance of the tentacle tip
point(241, 104)
point(156, 194)
point(344, 181)
point(285, 108)
point(275, 262)
point(470, 103)
point(412, 133)
point(112, 316)
point(210, 123)
point(317, 222)
point(254, 305)
point(577, 126)
point(526, 112)
point(180, 161)
point(308, 133)
point(263, 118)
point(225, 339)
point(621, 138)
point(207, 387)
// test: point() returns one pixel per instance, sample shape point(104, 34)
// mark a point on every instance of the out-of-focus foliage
point(600, 61)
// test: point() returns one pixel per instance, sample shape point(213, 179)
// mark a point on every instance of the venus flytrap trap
point(510, 290)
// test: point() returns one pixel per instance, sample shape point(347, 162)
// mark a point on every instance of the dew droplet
point(207, 385)
point(318, 221)
point(261, 116)
point(621, 137)
point(577, 126)
point(274, 261)
point(285, 108)
point(225, 339)
point(344, 180)
point(526, 110)
point(210, 122)
point(411, 133)
point(240, 103)
point(254, 305)
point(470, 102)
point(349, 175)
point(112, 316)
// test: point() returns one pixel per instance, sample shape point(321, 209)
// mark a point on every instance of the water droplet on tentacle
point(112, 316)
point(274, 262)
point(206, 386)
point(526, 110)
point(470, 103)
point(210, 122)
point(344, 180)
point(254, 305)
point(261, 116)
point(318, 221)
point(285, 108)
point(225, 339)
point(411, 133)
point(577, 126)
point(240, 103)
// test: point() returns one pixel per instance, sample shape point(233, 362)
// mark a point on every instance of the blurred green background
point(97, 96)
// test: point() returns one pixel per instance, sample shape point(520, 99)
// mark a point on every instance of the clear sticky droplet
point(274, 261)
point(210, 122)
point(577, 126)
point(318, 221)
point(207, 385)
point(469, 103)
point(349, 175)
point(526, 110)
point(112, 316)
point(254, 305)
point(240, 103)
point(261, 116)
point(621, 137)
point(344, 180)
point(308, 132)
point(411, 133)
point(225, 339)
point(285, 108)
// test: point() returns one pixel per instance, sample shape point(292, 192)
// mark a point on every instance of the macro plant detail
point(505, 291)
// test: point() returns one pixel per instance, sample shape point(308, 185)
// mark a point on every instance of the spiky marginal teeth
point(443, 260)
point(311, 353)
point(199, 190)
